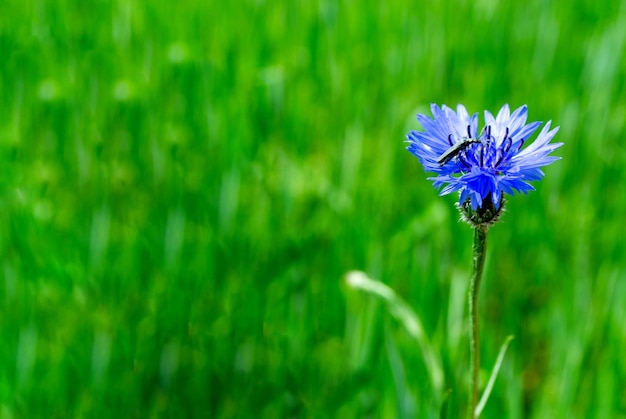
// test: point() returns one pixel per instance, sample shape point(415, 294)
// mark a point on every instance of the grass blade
point(407, 317)
point(492, 378)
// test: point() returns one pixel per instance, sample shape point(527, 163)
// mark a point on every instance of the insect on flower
point(456, 149)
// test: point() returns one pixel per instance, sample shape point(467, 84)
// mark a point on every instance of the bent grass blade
point(407, 317)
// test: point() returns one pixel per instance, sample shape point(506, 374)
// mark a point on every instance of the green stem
point(479, 250)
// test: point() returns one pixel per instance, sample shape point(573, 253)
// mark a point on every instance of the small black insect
point(456, 149)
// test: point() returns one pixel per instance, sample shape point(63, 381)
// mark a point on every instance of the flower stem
point(479, 250)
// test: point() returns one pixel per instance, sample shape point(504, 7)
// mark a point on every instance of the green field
point(184, 185)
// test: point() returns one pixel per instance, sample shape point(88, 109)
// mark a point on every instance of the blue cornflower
point(482, 165)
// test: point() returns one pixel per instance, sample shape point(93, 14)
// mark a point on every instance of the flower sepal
point(485, 215)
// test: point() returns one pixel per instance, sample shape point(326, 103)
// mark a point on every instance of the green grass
point(184, 186)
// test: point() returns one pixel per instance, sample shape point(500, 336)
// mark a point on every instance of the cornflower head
point(482, 165)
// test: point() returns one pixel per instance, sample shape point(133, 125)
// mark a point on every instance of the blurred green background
point(185, 184)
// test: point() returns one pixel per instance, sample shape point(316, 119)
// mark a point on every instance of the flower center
point(489, 152)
